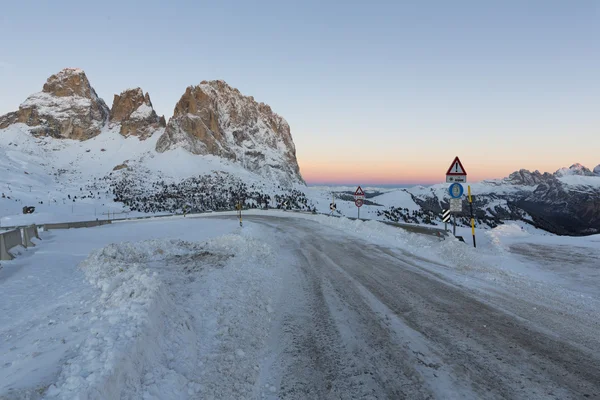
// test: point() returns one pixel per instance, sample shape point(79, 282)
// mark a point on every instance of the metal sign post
point(454, 227)
point(239, 211)
point(359, 199)
point(455, 208)
point(455, 175)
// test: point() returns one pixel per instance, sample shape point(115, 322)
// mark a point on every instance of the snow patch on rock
point(143, 111)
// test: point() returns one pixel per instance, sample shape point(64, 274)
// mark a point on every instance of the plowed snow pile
point(167, 308)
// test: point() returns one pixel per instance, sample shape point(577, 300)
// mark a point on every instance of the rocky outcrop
point(527, 178)
point(67, 107)
point(132, 110)
point(8, 119)
point(597, 170)
point(214, 118)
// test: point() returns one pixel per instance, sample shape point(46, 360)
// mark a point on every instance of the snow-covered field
point(179, 308)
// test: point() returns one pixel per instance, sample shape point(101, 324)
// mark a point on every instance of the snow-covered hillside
point(70, 180)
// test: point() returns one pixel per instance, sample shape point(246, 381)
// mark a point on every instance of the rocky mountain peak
point(69, 82)
point(527, 178)
point(133, 110)
point(67, 107)
point(215, 118)
point(597, 170)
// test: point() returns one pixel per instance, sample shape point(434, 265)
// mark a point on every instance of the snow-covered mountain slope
point(76, 180)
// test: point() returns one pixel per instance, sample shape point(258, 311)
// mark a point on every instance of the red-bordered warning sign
point(456, 168)
point(359, 193)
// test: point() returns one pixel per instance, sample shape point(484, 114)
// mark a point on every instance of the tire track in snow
point(483, 350)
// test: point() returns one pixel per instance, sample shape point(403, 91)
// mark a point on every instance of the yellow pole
point(472, 219)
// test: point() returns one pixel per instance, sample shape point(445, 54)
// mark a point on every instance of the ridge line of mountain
point(211, 118)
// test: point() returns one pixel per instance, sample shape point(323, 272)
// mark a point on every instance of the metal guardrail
point(81, 224)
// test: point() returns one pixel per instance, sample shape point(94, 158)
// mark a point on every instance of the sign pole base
point(454, 227)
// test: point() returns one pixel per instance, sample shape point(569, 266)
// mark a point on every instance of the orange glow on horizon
point(388, 175)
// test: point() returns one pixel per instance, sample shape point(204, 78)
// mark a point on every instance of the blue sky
point(374, 91)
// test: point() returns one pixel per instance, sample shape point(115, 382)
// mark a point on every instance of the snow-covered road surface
point(363, 321)
point(288, 307)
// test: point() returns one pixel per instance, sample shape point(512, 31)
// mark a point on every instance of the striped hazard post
point(446, 218)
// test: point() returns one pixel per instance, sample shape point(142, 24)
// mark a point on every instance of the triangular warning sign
point(456, 168)
point(359, 192)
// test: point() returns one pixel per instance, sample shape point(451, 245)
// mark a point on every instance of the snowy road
point(361, 321)
point(292, 306)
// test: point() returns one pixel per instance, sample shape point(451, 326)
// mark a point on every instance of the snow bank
point(165, 309)
point(129, 321)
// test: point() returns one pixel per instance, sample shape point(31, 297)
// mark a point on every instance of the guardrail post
point(37, 234)
point(4, 254)
point(25, 238)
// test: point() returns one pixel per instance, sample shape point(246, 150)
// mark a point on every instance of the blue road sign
point(456, 190)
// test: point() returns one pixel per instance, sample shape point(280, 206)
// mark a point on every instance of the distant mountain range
point(566, 202)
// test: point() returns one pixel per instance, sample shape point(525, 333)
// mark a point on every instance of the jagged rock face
point(214, 118)
point(8, 119)
point(133, 111)
point(67, 107)
point(597, 170)
point(527, 178)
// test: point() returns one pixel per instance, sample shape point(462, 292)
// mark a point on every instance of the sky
point(375, 92)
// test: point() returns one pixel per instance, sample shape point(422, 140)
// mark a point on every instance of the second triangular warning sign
point(456, 168)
